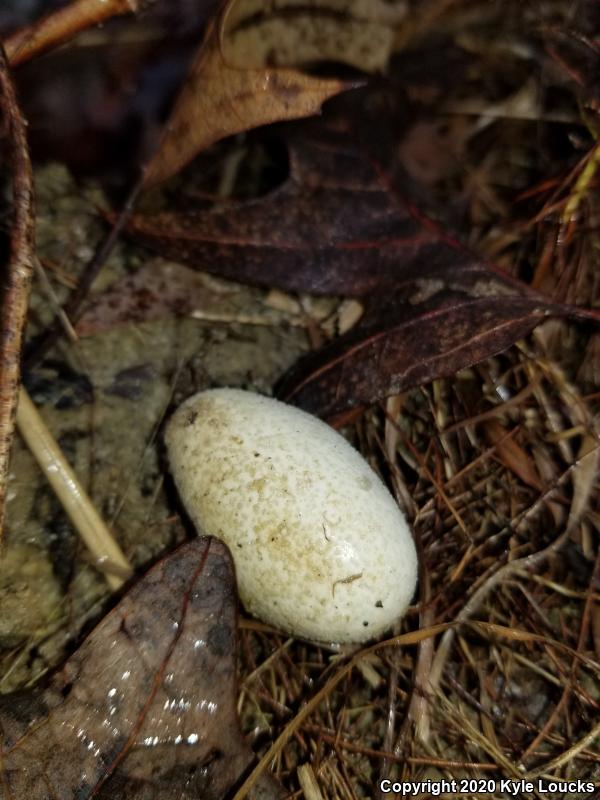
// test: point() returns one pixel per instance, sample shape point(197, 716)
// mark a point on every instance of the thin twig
point(72, 308)
point(62, 25)
point(108, 556)
point(17, 279)
point(48, 289)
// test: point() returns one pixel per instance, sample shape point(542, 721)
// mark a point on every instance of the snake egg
point(321, 549)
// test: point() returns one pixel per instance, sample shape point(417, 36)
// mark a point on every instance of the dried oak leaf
point(432, 307)
point(331, 228)
point(349, 221)
point(145, 709)
point(233, 87)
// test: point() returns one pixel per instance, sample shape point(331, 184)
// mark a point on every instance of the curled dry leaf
point(146, 707)
point(16, 274)
point(63, 24)
point(233, 87)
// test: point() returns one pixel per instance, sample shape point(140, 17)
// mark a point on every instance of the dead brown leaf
point(146, 707)
point(228, 92)
point(353, 225)
point(406, 345)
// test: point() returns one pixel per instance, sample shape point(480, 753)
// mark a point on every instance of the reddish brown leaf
point(406, 345)
point(330, 229)
point(336, 226)
point(146, 707)
point(347, 222)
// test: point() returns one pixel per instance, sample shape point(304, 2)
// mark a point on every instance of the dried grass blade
point(82, 512)
point(585, 475)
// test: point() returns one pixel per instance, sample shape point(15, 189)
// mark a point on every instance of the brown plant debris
point(227, 92)
point(487, 126)
point(145, 707)
point(17, 280)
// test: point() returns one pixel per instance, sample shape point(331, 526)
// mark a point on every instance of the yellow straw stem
point(108, 556)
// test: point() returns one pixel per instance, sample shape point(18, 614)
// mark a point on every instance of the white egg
point(320, 547)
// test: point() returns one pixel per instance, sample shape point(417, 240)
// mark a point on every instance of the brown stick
point(62, 25)
point(17, 279)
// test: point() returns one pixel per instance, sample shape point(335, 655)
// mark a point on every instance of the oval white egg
point(320, 547)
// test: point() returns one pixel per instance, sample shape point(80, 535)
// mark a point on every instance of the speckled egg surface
point(321, 549)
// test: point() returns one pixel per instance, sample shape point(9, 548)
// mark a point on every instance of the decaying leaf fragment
point(164, 289)
point(234, 85)
point(146, 707)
